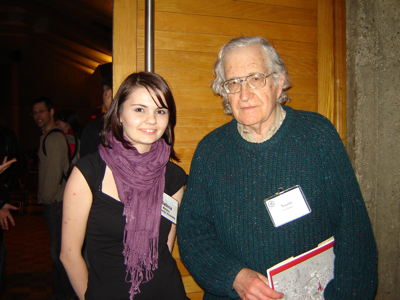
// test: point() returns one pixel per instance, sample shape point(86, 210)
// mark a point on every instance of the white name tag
point(287, 206)
point(169, 208)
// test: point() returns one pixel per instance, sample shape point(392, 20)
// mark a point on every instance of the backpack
point(73, 157)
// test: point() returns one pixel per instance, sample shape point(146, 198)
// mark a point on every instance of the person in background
point(90, 138)
point(6, 218)
point(114, 199)
point(53, 167)
point(6, 164)
point(67, 121)
point(226, 237)
point(8, 157)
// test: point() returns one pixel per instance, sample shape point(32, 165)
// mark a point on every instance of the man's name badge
point(169, 208)
point(287, 206)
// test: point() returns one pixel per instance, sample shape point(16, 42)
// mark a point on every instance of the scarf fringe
point(144, 266)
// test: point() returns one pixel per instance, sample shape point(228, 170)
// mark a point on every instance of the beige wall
point(373, 53)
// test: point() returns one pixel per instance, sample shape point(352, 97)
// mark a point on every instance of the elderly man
point(226, 236)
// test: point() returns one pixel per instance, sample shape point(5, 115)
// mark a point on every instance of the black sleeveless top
point(104, 241)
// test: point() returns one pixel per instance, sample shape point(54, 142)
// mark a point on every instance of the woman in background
point(113, 200)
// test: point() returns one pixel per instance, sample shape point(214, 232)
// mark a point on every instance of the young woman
point(113, 200)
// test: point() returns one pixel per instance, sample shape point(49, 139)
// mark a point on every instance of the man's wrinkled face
point(252, 107)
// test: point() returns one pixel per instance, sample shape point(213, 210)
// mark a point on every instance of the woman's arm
point(172, 234)
point(77, 203)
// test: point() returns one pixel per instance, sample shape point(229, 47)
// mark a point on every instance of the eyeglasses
point(254, 81)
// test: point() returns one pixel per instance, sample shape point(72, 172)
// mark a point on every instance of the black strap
point(63, 175)
point(50, 132)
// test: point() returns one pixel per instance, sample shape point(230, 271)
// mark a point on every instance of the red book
point(306, 275)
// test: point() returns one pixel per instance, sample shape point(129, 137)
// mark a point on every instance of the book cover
point(306, 275)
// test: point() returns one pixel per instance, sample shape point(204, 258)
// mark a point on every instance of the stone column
point(373, 104)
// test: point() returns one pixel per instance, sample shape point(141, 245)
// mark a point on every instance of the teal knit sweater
point(223, 225)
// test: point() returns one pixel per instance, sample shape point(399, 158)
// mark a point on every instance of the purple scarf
point(140, 181)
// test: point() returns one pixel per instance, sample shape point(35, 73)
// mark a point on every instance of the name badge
point(169, 208)
point(287, 206)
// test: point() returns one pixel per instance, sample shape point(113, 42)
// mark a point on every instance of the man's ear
point(280, 81)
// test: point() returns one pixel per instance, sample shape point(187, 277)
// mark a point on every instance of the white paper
point(169, 208)
point(287, 206)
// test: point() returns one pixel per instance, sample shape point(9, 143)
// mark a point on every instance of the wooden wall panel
point(215, 25)
point(339, 17)
point(239, 10)
point(311, 4)
point(188, 35)
point(326, 81)
point(124, 40)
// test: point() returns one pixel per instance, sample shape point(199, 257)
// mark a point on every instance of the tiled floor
point(28, 261)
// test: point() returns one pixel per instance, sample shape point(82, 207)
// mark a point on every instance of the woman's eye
point(162, 111)
point(138, 109)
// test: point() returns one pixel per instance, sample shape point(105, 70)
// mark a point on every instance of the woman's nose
point(151, 118)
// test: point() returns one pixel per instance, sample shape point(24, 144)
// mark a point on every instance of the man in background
point(53, 166)
point(90, 138)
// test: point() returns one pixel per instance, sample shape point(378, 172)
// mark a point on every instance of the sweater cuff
point(232, 276)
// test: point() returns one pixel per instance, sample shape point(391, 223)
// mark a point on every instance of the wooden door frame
point(124, 40)
point(332, 63)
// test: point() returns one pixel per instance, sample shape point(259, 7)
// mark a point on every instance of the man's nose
point(244, 91)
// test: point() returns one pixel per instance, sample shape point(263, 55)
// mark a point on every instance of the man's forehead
point(245, 57)
point(39, 106)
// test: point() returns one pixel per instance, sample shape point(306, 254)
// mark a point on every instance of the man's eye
point(256, 77)
point(234, 83)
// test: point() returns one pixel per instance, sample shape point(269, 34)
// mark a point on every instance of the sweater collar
point(280, 115)
point(278, 134)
